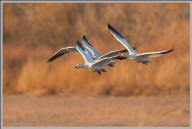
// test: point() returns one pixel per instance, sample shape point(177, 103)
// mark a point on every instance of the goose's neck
point(81, 66)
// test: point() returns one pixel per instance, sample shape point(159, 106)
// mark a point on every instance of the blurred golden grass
point(26, 51)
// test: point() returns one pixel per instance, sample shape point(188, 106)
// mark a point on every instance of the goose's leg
point(104, 70)
point(111, 65)
point(144, 63)
point(99, 72)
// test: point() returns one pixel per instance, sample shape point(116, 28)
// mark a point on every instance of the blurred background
point(33, 32)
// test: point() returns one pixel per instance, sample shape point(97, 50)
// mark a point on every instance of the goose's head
point(81, 66)
point(77, 66)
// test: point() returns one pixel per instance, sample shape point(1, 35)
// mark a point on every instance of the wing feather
point(154, 54)
point(121, 40)
point(107, 60)
point(83, 53)
point(61, 52)
point(94, 52)
point(113, 53)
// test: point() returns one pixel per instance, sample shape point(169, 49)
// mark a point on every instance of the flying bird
point(97, 65)
point(138, 57)
point(90, 50)
point(66, 50)
point(61, 52)
point(96, 55)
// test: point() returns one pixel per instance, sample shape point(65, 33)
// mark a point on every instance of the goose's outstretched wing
point(154, 54)
point(61, 52)
point(83, 53)
point(113, 53)
point(89, 53)
point(107, 60)
point(93, 51)
point(102, 62)
point(121, 40)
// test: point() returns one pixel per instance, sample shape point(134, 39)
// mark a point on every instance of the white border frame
point(86, 1)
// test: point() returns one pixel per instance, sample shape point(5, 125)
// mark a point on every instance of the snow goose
point(66, 50)
point(95, 66)
point(142, 57)
point(90, 50)
point(96, 55)
point(61, 52)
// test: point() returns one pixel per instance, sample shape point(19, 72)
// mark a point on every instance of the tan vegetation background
point(33, 32)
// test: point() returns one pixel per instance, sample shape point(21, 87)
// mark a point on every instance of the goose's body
point(142, 57)
point(95, 66)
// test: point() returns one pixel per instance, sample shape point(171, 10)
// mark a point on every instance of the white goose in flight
point(97, 56)
point(97, 65)
point(142, 57)
point(90, 50)
point(66, 50)
point(61, 52)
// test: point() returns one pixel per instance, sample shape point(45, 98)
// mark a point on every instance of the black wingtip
point(49, 61)
point(114, 31)
point(109, 26)
point(84, 37)
point(168, 51)
point(80, 45)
